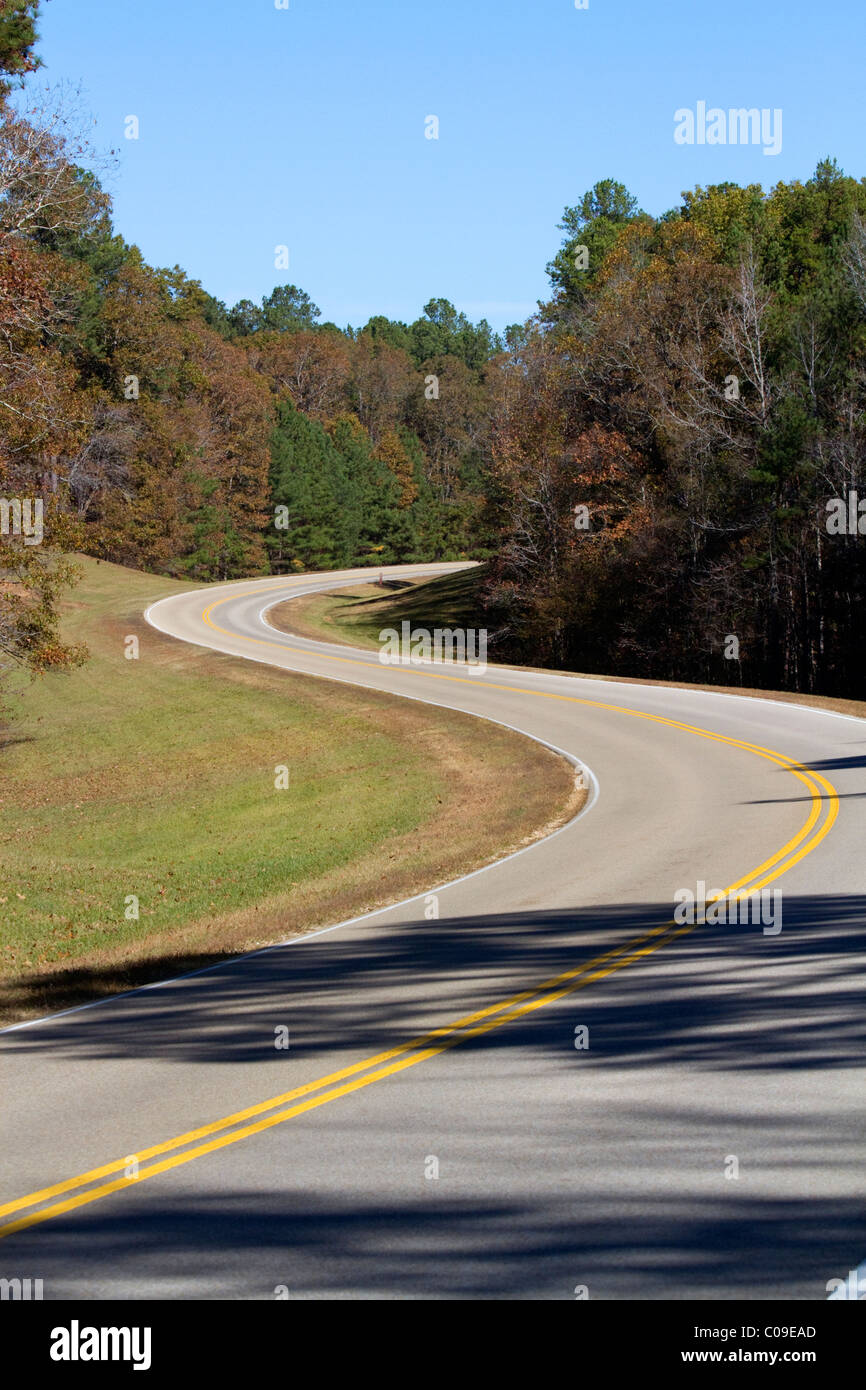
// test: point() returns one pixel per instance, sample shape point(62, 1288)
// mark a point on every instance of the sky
point(304, 127)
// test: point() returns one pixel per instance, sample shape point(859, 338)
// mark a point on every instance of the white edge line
point(376, 912)
point(453, 567)
point(350, 921)
point(522, 670)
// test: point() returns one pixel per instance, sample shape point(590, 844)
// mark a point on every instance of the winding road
point(552, 1089)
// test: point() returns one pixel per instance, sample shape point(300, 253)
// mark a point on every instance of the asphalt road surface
point(549, 1090)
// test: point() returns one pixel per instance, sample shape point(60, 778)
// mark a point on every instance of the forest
point(661, 470)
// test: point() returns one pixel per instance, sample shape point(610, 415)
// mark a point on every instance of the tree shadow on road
point(725, 996)
point(250, 1244)
point(719, 1003)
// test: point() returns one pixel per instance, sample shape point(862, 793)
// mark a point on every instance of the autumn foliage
point(645, 464)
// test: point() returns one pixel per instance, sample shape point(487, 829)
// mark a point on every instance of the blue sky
point(304, 127)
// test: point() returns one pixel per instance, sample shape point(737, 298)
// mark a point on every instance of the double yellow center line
point(242, 1124)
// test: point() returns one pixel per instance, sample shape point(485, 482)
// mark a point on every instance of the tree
point(608, 199)
point(309, 481)
point(592, 229)
point(245, 318)
point(312, 366)
point(32, 579)
point(385, 330)
point(445, 332)
point(287, 309)
point(453, 425)
point(382, 381)
point(18, 38)
point(393, 453)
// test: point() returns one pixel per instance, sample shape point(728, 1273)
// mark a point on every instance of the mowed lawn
point(154, 779)
point(357, 615)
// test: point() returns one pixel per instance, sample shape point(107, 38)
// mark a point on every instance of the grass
point(154, 780)
point(358, 614)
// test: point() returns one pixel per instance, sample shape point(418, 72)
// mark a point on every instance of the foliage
point(696, 384)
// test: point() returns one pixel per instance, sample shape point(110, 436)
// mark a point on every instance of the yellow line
point(70, 1183)
point(473, 1025)
point(405, 1061)
point(806, 775)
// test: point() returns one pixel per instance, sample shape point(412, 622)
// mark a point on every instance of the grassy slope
point(358, 614)
point(155, 778)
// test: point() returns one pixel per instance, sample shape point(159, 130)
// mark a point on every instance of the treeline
point(213, 443)
point(670, 434)
point(159, 429)
point(646, 464)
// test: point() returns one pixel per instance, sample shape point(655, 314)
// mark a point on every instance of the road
point(442, 1124)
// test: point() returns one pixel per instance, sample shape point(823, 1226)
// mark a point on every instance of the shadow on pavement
point(719, 1006)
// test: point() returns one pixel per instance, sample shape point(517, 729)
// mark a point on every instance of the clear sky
point(305, 127)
